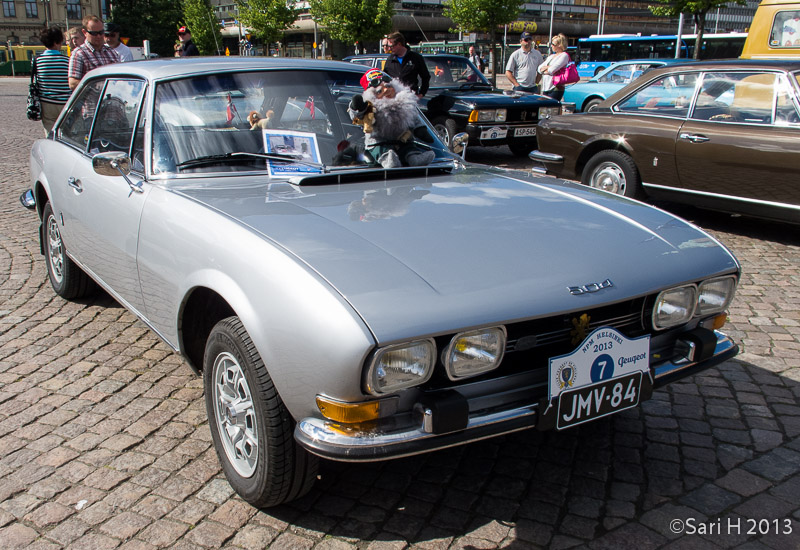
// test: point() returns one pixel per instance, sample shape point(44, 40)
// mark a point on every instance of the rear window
point(785, 31)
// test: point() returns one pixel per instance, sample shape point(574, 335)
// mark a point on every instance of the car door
point(743, 138)
point(105, 210)
point(653, 116)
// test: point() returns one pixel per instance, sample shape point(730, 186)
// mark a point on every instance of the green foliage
point(696, 8)
point(354, 21)
point(197, 15)
point(483, 15)
point(267, 19)
point(153, 20)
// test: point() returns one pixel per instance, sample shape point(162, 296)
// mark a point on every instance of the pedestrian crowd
point(91, 45)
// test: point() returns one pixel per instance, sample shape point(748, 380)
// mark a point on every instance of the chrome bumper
point(547, 158)
point(412, 433)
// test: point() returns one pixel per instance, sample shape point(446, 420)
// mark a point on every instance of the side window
point(77, 123)
point(116, 116)
point(715, 97)
point(753, 97)
point(670, 95)
point(785, 30)
point(786, 111)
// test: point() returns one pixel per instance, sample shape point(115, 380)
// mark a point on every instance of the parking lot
point(104, 441)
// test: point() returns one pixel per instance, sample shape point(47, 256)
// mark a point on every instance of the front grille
point(532, 343)
point(523, 115)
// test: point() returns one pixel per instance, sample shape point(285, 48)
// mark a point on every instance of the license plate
point(601, 399)
point(494, 133)
point(525, 132)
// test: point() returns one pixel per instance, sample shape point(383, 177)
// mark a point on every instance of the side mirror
point(460, 144)
point(28, 199)
point(113, 163)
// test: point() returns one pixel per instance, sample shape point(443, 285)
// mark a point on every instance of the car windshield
point(286, 122)
point(454, 72)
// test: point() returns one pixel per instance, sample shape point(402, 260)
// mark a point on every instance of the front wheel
point(251, 428)
point(613, 171)
point(591, 105)
point(447, 129)
point(67, 279)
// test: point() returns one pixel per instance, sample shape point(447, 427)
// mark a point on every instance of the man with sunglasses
point(407, 66)
point(187, 47)
point(113, 41)
point(522, 65)
point(93, 53)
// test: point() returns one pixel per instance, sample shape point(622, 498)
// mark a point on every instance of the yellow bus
point(21, 56)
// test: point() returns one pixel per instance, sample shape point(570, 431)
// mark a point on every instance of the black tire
point(521, 148)
point(255, 444)
point(447, 129)
point(613, 171)
point(599, 70)
point(68, 280)
point(592, 104)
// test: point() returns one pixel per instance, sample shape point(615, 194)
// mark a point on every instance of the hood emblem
point(588, 288)
point(580, 328)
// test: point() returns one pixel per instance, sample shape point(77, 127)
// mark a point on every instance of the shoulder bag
point(34, 111)
point(567, 75)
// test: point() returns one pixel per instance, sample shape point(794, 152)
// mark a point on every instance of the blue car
point(589, 94)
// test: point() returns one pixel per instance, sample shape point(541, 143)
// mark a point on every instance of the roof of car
point(177, 67)
point(786, 65)
point(383, 55)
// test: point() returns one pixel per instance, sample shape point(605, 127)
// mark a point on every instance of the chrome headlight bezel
point(426, 359)
point(450, 357)
point(706, 306)
point(682, 299)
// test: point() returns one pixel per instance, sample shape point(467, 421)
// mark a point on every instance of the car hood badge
point(580, 328)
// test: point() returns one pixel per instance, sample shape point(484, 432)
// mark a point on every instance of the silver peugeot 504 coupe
point(338, 308)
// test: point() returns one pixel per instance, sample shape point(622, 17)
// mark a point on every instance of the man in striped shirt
point(51, 76)
point(93, 53)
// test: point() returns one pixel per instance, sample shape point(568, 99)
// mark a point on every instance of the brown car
point(720, 135)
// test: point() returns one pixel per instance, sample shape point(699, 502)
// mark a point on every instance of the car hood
point(475, 247)
point(488, 98)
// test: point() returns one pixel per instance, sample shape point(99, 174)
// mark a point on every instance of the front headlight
point(488, 115)
point(475, 352)
point(674, 307)
point(547, 112)
point(500, 115)
point(715, 295)
point(402, 366)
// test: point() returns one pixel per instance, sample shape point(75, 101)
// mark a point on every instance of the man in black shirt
point(187, 47)
point(407, 66)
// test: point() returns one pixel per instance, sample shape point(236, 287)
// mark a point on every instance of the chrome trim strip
point(724, 343)
point(720, 196)
point(541, 156)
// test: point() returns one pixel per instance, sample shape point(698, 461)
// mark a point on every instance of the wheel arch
point(594, 147)
point(201, 310)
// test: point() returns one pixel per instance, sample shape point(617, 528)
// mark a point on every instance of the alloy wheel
point(235, 415)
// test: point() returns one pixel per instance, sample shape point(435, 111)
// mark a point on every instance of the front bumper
point(509, 409)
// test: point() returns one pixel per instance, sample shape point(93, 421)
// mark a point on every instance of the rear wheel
point(67, 279)
point(591, 105)
point(447, 129)
point(251, 427)
point(613, 171)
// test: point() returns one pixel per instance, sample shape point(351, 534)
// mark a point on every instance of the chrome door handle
point(75, 184)
point(694, 138)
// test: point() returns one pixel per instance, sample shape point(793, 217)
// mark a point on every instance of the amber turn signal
point(348, 412)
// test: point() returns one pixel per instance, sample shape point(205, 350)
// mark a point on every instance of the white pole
point(679, 40)
point(552, 12)
point(716, 23)
point(599, 14)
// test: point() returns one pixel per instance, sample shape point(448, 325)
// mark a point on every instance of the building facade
point(23, 19)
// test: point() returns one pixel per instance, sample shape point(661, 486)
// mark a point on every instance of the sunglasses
point(94, 33)
point(378, 80)
point(527, 39)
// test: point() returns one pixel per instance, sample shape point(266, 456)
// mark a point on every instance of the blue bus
point(599, 51)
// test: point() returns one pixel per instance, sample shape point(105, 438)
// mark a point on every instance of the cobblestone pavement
point(104, 441)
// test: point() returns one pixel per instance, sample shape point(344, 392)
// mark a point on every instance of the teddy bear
point(259, 123)
point(388, 113)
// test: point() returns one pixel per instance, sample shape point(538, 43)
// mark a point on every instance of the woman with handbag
point(553, 65)
point(50, 73)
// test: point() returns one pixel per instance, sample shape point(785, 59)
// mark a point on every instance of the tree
point(267, 19)
point(697, 9)
point(354, 21)
point(152, 20)
point(483, 15)
point(198, 16)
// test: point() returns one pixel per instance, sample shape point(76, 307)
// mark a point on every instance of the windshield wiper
point(474, 85)
point(281, 157)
